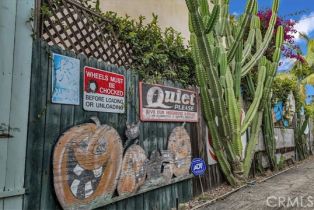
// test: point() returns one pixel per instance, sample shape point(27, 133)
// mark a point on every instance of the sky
point(302, 11)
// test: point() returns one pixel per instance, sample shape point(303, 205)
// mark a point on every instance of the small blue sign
point(198, 166)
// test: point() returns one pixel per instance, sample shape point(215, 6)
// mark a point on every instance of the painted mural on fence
point(163, 103)
point(283, 113)
point(65, 80)
point(90, 163)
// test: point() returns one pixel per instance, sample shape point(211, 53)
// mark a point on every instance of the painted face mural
point(179, 144)
point(86, 164)
point(89, 164)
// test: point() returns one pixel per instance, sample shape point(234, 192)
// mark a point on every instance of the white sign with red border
point(167, 104)
point(103, 91)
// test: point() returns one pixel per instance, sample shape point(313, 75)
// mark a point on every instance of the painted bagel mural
point(86, 164)
point(90, 165)
point(133, 172)
point(179, 144)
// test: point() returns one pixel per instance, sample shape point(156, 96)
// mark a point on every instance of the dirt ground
point(293, 189)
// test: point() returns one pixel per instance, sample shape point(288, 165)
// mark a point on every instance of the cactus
point(223, 58)
point(305, 77)
point(269, 136)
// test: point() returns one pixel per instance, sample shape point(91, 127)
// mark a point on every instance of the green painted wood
point(121, 205)
point(67, 111)
point(57, 118)
point(160, 136)
point(36, 130)
point(92, 62)
point(139, 202)
point(52, 132)
point(79, 117)
point(167, 198)
point(174, 195)
point(108, 207)
point(130, 203)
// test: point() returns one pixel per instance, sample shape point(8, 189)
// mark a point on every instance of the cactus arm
point(246, 19)
point(269, 33)
point(250, 149)
point(229, 35)
point(250, 83)
point(223, 18)
point(234, 116)
point(213, 19)
point(208, 114)
point(257, 99)
point(259, 38)
point(248, 45)
point(268, 134)
point(203, 7)
point(237, 71)
point(255, 24)
point(272, 67)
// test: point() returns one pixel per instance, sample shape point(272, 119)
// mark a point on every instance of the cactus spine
point(222, 59)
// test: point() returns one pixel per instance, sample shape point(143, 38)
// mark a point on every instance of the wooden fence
point(47, 121)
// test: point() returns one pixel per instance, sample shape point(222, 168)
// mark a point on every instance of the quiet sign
point(103, 91)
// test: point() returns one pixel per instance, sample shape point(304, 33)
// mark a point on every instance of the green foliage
point(282, 86)
point(301, 70)
point(282, 162)
point(157, 54)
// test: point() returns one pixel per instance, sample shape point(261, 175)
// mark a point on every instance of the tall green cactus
point(222, 59)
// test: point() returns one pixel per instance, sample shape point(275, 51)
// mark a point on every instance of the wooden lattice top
point(74, 27)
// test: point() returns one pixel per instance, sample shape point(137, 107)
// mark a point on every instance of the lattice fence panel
point(73, 27)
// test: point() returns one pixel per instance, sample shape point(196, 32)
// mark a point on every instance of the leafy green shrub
point(157, 54)
point(283, 85)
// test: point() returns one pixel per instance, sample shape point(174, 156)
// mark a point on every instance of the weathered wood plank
point(79, 117)
point(13, 203)
point(92, 62)
point(109, 207)
point(121, 205)
point(67, 111)
point(52, 131)
point(19, 100)
point(7, 31)
point(103, 116)
point(139, 202)
point(36, 127)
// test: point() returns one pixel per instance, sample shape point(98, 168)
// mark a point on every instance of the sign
point(163, 103)
point(198, 166)
point(103, 91)
point(65, 80)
